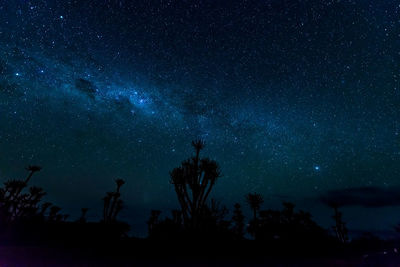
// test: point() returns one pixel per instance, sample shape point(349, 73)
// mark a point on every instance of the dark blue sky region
point(295, 99)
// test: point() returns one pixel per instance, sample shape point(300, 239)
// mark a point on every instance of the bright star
point(317, 168)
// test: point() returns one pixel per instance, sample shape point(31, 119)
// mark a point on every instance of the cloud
point(86, 87)
point(371, 196)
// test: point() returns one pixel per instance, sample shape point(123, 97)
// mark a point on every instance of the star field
point(293, 98)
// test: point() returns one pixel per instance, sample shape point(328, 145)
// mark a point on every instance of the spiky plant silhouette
point(18, 202)
point(193, 182)
point(17, 186)
point(112, 203)
point(16, 205)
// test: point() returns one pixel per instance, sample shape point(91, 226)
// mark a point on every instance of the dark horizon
point(364, 199)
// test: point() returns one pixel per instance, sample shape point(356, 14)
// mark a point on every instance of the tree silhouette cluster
point(199, 217)
point(193, 182)
point(19, 203)
point(285, 225)
point(24, 216)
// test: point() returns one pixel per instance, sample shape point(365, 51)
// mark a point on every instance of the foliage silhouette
point(213, 225)
point(167, 229)
point(17, 202)
point(340, 227)
point(112, 203)
point(287, 226)
point(23, 216)
point(193, 182)
point(255, 201)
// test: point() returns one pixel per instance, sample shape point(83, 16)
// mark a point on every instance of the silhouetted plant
point(214, 219)
point(339, 228)
point(287, 226)
point(255, 201)
point(238, 221)
point(112, 203)
point(167, 229)
point(15, 204)
point(193, 182)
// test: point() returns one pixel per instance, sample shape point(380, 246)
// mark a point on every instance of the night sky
point(296, 100)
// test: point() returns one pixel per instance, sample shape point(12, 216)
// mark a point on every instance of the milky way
point(293, 98)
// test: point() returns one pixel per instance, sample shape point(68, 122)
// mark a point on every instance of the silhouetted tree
point(193, 182)
point(16, 205)
point(339, 228)
point(238, 221)
point(255, 201)
point(112, 203)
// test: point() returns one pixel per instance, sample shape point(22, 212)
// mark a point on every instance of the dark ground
point(149, 253)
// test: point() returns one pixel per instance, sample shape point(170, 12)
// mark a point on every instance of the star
point(250, 87)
